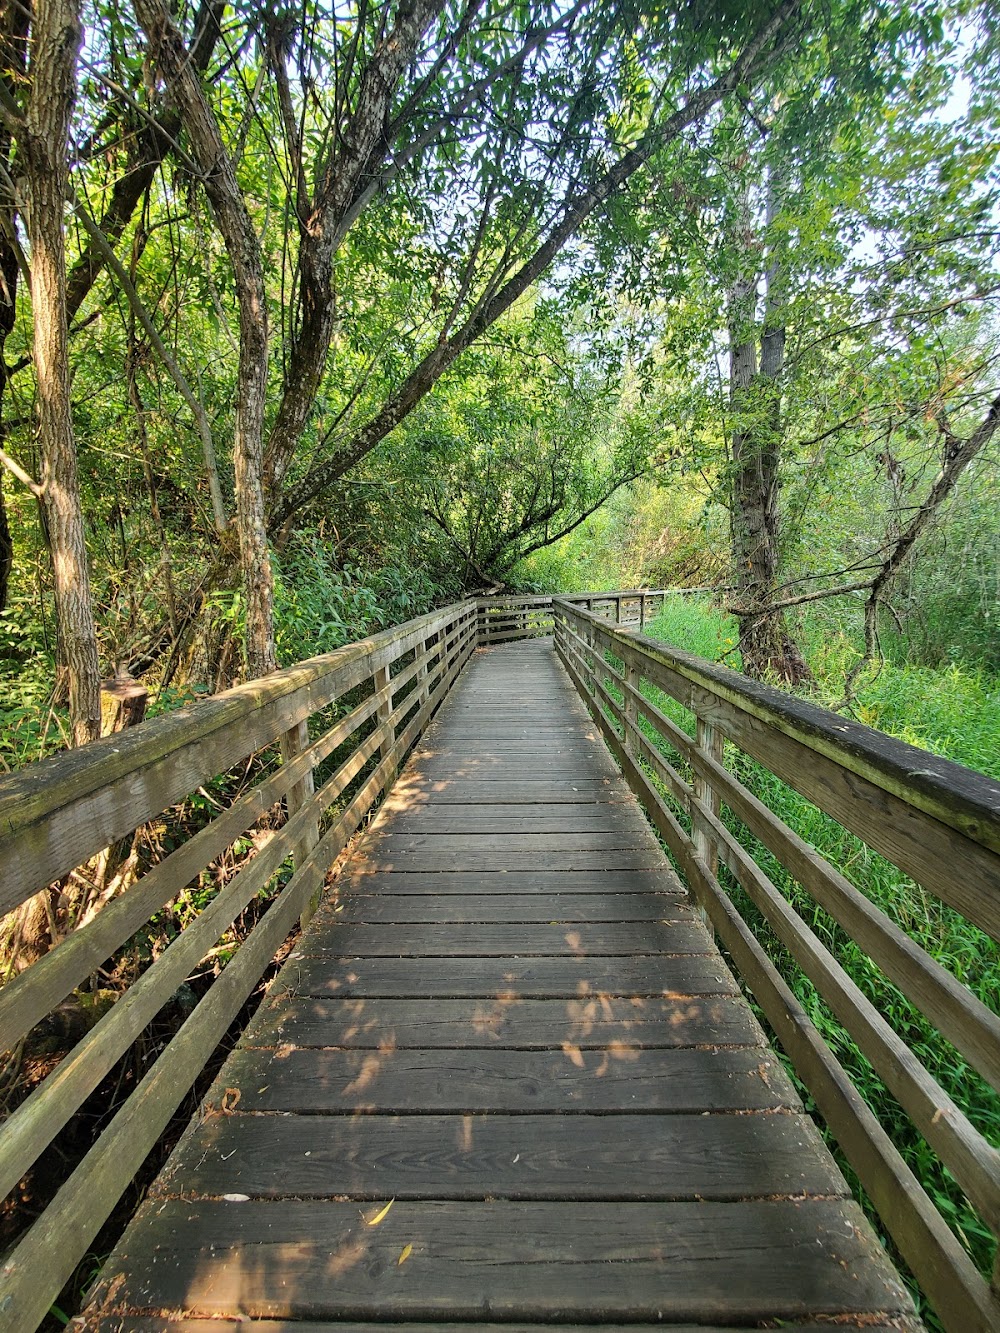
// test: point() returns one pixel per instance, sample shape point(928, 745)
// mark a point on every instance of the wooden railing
point(935, 820)
point(502, 618)
point(329, 735)
point(367, 704)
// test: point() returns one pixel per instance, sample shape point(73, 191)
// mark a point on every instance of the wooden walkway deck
point(510, 1023)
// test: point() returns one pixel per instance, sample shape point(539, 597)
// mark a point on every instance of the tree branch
point(575, 211)
point(104, 248)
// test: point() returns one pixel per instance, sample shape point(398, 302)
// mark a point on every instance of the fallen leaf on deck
point(407, 1251)
point(379, 1216)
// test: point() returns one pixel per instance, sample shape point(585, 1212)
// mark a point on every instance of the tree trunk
point(13, 37)
point(8, 299)
point(766, 647)
point(56, 42)
point(361, 145)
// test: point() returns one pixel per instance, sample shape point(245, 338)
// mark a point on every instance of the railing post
point(424, 654)
point(292, 743)
point(590, 656)
point(642, 612)
point(708, 740)
point(633, 676)
point(382, 680)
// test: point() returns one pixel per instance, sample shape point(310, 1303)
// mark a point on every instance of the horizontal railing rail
point(935, 820)
point(326, 738)
point(505, 617)
point(57, 814)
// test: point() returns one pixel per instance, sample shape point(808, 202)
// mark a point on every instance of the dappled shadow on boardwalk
point(506, 1076)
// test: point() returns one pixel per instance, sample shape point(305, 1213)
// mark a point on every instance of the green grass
point(954, 712)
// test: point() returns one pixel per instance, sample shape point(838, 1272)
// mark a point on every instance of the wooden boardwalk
point(509, 1023)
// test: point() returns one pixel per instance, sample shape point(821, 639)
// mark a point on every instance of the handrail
point(507, 616)
point(59, 813)
point(62, 811)
point(368, 704)
point(934, 819)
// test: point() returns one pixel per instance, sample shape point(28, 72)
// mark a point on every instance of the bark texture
point(766, 647)
point(57, 35)
point(13, 36)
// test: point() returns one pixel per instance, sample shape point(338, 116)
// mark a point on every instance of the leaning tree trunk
point(958, 455)
point(57, 34)
point(236, 225)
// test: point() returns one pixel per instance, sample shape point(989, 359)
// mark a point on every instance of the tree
point(13, 30)
point(551, 80)
point(41, 134)
point(520, 448)
point(803, 185)
point(756, 362)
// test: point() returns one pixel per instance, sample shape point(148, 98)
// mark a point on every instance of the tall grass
point(954, 712)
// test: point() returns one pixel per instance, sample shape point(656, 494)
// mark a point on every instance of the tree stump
point(123, 702)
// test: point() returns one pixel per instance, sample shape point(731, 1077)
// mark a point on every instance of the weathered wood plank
point(412, 792)
point(514, 858)
point(585, 1023)
point(516, 820)
point(412, 1081)
point(667, 1262)
point(759, 1155)
point(356, 880)
point(44, 1258)
point(511, 762)
point(320, 973)
point(508, 749)
point(453, 731)
point(948, 1276)
point(603, 1076)
point(482, 941)
point(489, 766)
point(467, 908)
point(959, 1015)
point(46, 1255)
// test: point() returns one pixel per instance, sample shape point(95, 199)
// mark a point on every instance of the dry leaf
point(231, 1099)
point(380, 1216)
point(407, 1251)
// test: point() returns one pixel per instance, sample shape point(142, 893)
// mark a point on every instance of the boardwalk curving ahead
point(509, 1023)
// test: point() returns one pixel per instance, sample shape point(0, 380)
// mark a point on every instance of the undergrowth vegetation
point(954, 712)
